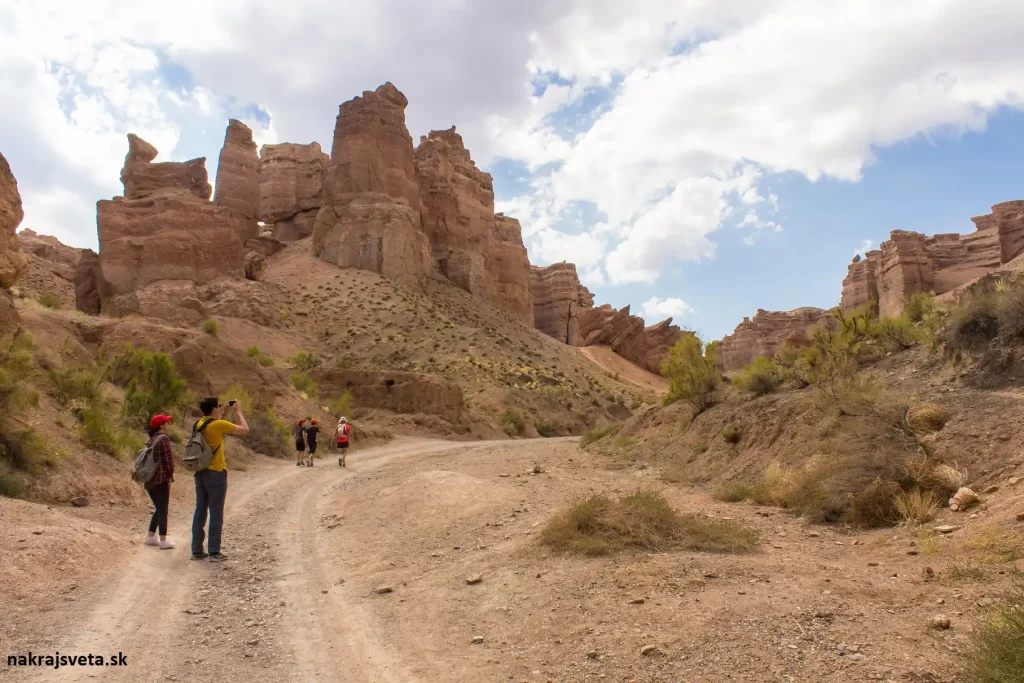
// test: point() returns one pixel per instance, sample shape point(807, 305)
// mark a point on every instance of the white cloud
point(656, 310)
point(865, 247)
point(665, 115)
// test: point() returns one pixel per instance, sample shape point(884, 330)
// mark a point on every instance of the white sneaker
point(167, 545)
point(152, 540)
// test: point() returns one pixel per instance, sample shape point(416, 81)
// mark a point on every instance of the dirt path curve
point(262, 613)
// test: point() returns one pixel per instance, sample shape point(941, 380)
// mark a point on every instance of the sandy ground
point(309, 548)
point(626, 370)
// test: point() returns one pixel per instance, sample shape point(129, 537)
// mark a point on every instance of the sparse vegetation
point(549, 429)
point(304, 361)
point(50, 300)
point(304, 383)
point(916, 506)
point(598, 433)
point(21, 447)
point(927, 417)
point(152, 385)
point(732, 434)
point(996, 653)
point(253, 352)
point(597, 525)
point(210, 327)
point(513, 423)
point(692, 372)
point(340, 405)
point(70, 385)
point(762, 376)
point(265, 361)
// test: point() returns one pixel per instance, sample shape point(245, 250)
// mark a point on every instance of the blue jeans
point(211, 488)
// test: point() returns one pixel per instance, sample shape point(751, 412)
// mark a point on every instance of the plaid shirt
point(164, 461)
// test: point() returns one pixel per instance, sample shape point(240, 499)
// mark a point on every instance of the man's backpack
point(198, 454)
point(145, 464)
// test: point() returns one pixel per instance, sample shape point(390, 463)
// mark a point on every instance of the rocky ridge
point(765, 334)
point(12, 261)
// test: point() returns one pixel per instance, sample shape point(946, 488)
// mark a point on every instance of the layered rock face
point(238, 176)
point(765, 334)
point(627, 336)
point(558, 300)
point(163, 232)
point(472, 247)
point(370, 219)
point(909, 262)
point(291, 187)
point(88, 279)
point(12, 261)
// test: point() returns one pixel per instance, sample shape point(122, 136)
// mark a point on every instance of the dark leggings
point(161, 495)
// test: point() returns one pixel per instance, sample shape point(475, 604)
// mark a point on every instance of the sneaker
point(217, 557)
point(152, 540)
point(168, 545)
point(199, 556)
point(298, 463)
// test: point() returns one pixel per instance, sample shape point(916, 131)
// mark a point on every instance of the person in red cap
point(159, 487)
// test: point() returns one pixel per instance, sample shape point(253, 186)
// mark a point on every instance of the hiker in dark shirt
point(159, 487)
point(300, 442)
point(312, 431)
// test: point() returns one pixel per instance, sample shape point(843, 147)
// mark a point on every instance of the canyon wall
point(291, 187)
point(765, 333)
point(909, 262)
point(558, 298)
point(12, 260)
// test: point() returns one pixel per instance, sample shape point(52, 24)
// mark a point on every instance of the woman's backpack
point(145, 464)
point(198, 454)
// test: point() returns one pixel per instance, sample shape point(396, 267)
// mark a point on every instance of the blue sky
point(694, 158)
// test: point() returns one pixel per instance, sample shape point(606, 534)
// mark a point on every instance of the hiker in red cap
point(159, 487)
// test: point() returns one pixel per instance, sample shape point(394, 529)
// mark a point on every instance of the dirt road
point(309, 548)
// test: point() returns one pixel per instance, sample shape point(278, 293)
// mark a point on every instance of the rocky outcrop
point(472, 247)
point(88, 279)
point(238, 176)
point(909, 262)
point(12, 261)
point(164, 232)
point(370, 219)
point(291, 183)
point(627, 336)
point(558, 300)
point(765, 334)
point(141, 177)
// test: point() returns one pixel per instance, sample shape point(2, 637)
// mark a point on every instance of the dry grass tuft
point(916, 506)
point(997, 648)
point(597, 525)
point(928, 417)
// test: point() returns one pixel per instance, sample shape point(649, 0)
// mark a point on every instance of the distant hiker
point(300, 442)
point(159, 485)
point(212, 479)
point(341, 437)
point(312, 431)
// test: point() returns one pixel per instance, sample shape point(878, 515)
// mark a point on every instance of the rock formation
point(163, 229)
point(291, 188)
point(765, 334)
point(509, 265)
point(909, 262)
point(12, 261)
point(370, 218)
point(558, 299)
point(88, 279)
point(238, 176)
point(627, 336)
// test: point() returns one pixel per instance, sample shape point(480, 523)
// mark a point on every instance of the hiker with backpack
point(155, 465)
point(341, 438)
point(204, 457)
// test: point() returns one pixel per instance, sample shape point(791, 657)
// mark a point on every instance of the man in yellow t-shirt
point(212, 483)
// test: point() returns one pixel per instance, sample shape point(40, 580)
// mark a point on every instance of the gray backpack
point(145, 464)
point(198, 454)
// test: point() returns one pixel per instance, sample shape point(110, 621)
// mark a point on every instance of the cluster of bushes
point(304, 383)
point(992, 310)
point(21, 447)
point(691, 367)
point(268, 434)
point(261, 358)
point(341, 405)
point(513, 423)
point(645, 520)
point(304, 361)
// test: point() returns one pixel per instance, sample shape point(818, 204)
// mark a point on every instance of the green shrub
point(732, 434)
point(702, 447)
point(340, 406)
point(152, 385)
point(598, 433)
point(304, 383)
point(11, 485)
point(23, 449)
point(74, 384)
point(898, 333)
point(996, 653)
point(920, 306)
point(50, 300)
point(549, 429)
point(237, 392)
point(268, 434)
point(304, 361)
point(762, 376)
point(253, 352)
point(265, 361)
point(513, 423)
point(210, 327)
point(692, 372)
